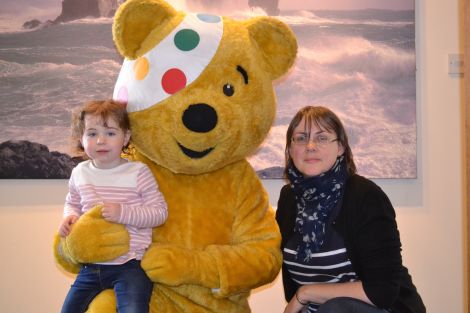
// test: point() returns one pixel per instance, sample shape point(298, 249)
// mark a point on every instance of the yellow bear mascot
point(199, 93)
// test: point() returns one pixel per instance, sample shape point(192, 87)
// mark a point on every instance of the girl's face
point(103, 144)
point(314, 153)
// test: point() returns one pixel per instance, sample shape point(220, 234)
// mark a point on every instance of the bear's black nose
point(200, 118)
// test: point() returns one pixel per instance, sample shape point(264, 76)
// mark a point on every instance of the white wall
point(430, 209)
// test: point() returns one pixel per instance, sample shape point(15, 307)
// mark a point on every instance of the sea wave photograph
point(356, 57)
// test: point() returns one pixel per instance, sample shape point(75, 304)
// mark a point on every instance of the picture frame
point(356, 59)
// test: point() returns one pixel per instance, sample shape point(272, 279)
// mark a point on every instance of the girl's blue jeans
point(130, 283)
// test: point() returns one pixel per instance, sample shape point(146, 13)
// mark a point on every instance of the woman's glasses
point(320, 140)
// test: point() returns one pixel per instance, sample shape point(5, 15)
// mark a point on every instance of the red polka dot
point(173, 80)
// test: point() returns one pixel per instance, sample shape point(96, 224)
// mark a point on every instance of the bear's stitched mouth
point(194, 154)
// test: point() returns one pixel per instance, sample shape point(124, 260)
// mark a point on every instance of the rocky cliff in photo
point(271, 7)
point(25, 159)
point(77, 9)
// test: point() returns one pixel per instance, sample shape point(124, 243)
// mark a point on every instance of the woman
point(340, 242)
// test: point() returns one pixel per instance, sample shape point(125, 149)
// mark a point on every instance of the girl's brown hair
point(324, 119)
point(104, 108)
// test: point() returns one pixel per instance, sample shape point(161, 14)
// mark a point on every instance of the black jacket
point(366, 222)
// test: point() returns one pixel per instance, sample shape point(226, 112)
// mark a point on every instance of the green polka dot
point(186, 39)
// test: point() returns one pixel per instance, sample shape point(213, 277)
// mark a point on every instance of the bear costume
point(199, 92)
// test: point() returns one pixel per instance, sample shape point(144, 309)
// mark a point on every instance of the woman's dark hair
point(104, 108)
point(324, 119)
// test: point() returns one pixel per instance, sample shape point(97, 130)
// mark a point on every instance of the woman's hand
point(296, 304)
point(293, 306)
point(320, 293)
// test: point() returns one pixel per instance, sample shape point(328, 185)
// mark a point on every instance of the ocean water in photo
point(361, 64)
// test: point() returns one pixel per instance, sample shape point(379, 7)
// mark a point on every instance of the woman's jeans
point(130, 283)
point(348, 305)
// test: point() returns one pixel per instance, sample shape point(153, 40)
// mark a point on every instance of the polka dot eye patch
point(171, 65)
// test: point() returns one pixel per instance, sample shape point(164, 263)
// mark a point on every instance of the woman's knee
point(347, 305)
point(335, 305)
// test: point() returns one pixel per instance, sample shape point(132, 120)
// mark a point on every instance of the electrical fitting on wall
point(456, 65)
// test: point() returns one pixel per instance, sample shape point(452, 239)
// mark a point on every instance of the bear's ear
point(276, 42)
point(135, 20)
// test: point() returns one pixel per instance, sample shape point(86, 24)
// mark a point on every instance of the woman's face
point(314, 153)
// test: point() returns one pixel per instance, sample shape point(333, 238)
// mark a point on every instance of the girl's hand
point(111, 212)
point(66, 226)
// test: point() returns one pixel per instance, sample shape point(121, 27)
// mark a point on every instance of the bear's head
point(198, 87)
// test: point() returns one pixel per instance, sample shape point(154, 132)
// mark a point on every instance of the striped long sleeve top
point(132, 185)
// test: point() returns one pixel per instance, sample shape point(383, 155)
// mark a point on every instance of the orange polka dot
point(141, 68)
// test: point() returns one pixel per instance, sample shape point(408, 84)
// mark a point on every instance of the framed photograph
point(356, 57)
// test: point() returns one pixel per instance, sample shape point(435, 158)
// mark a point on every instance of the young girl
point(129, 195)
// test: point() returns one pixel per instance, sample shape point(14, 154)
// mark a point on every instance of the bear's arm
point(254, 258)
point(91, 240)
point(250, 256)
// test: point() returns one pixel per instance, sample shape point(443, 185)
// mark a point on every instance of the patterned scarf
point(316, 197)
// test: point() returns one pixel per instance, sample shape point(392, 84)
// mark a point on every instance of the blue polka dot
point(208, 18)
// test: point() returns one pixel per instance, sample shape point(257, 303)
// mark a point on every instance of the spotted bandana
point(171, 65)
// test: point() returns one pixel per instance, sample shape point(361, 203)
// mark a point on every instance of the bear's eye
point(229, 90)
